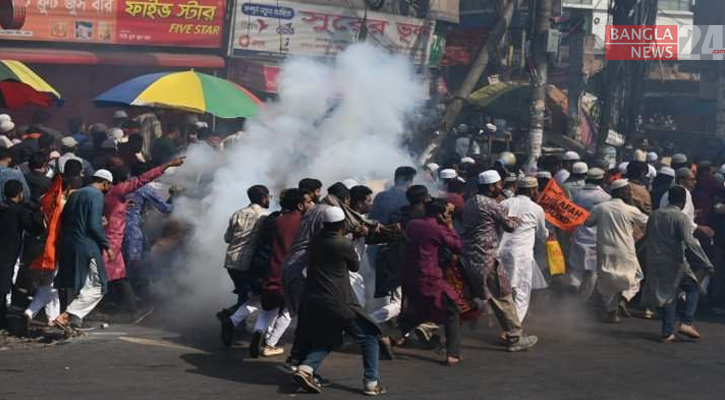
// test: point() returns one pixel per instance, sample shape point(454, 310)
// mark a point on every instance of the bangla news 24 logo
point(664, 42)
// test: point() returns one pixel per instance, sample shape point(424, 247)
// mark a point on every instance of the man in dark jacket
point(15, 217)
point(330, 306)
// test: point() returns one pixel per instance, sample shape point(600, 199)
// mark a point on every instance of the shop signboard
point(276, 29)
point(188, 23)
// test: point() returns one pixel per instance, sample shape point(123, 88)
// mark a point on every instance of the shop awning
point(136, 58)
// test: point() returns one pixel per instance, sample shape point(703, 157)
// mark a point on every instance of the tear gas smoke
point(331, 122)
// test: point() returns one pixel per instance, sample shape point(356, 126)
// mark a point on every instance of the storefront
point(84, 47)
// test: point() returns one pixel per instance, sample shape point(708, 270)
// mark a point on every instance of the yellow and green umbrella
point(20, 86)
point(188, 91)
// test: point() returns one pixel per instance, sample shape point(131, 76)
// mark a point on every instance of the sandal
point(64, 327)
point(375, 391)
point(449, 363)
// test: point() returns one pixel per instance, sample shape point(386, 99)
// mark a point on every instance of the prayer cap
point(571, 156)
point(527, 182)
point(639, 155)
point(666, 171)
point(488, 177)
point(679, 158)
point(433, 167)
point(491, 127)
point(104, 174)
point(118, 114)
point(448, 173)
point(652, 156)
point(349, 183)
point(623, 167)
point(620, 183)
point(5, 117)
point(69, 141)
point(467, 160)
point(6, 126)
point(580, 168)
point(543, 175)
point(683, 173)
point(595, 173)
point(333, 214)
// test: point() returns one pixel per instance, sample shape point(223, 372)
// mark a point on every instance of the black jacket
point(14, 220)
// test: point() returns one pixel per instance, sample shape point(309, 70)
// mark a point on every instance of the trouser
point(687, 316)
point(452, 328)
point(611, 301)
point(3, 310)
point(391, 309)
point(125, 294)
point(366, 336)
point(46, 296)
point(522, 298)
point(505, 311)
point(243, 286)
point(274, 323)
point(90, 295)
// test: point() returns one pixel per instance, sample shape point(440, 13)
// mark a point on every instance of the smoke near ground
point(331, 122)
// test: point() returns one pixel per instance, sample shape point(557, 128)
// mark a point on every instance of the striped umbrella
point(187, 91)
point(20, 86)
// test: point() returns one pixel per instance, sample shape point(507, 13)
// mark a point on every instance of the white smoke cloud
point(332, 121)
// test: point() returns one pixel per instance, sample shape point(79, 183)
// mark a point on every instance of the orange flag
point(51, 205)
point(559, 210)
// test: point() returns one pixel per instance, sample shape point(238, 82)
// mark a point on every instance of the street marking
point(160, 343)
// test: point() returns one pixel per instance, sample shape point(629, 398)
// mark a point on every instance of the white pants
point(243, 312)
point(277, 327)
point(389, 310)
point(522, 299)
point(90, 295)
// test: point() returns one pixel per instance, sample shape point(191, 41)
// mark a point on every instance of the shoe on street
point(688, 330)
point(271, 351)
point(375, 390)
point(523, 343)
point(227, 328)
point(306, 382)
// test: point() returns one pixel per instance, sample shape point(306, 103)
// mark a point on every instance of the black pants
point(452, 328)
point(125, 295)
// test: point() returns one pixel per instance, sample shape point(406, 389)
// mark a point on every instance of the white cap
point(666, 171)
point(333, 214)
point(69, 141)
point(488, 177)
point(571, 156)
point(115, 134)
point(6, 126)
point(595, 173)
point(118, 114)
point(5, 117)
point(467, 160)
point(491, 127)
point(349, 183)
point(652, 156)
point(620, 183)
point(433, 167)
point(543, 175)
point(623, 167)
point(639, 155)
point(527, 182)
point(683, 173)
point(448, 173)
point(679, 158)
point(579, 168)
point(62, 160)
point(104, 174)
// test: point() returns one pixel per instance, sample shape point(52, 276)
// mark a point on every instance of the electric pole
point(539, 79)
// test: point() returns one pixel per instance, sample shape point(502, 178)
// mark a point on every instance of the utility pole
point(576, 64)
point(507, 8)
point(539, 79)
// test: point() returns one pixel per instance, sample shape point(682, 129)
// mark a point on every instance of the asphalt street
point(578, 357)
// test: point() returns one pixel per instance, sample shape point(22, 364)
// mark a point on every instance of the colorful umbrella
point(188, 91)
point(20, 86)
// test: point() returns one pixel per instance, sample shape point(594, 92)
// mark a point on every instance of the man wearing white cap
point(8, 173)
point(330, 307)
point(517, 247)
point(679, 160)
point(119, 117)
point(618, 270)
point(583, 254)
point(575, 182)
point(82, 242)
point(509, 186)
point(661, 184)
point(686, 178)
point(567, 159)
point(69, 148)
point(652, 161)
point(7, 128)
point(484, 221)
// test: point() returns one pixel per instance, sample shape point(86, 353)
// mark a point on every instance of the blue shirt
point(9, 174)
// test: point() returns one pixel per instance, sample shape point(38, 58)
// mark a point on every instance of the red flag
point(51, 205)
point(559, 210)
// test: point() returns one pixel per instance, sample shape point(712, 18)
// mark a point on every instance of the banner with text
point(188, 23)
point(271, 28)
point(559, 210)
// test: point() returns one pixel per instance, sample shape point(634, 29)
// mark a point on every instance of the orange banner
point(559, 209)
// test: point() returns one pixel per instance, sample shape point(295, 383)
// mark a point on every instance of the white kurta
point(583, 253)
point(516, 250)
point(618, 270)
point(561, 176)
point(689, 209)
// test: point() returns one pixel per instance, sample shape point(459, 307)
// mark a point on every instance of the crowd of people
point(441, 246)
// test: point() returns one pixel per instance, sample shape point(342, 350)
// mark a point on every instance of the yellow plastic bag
point(557, 265)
